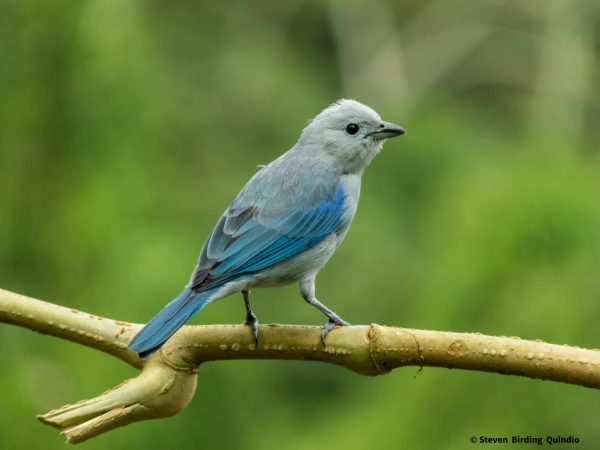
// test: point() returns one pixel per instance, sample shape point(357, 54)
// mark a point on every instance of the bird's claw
point(330, 325)
point(252, 322)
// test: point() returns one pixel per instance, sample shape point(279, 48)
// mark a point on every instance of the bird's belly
point(297, 267)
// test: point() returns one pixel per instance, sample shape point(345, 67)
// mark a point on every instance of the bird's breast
point(350, 183)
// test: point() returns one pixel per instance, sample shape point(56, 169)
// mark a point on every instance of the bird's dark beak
point(387, 130)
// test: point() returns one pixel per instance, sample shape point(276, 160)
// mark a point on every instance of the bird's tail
point(168, 321)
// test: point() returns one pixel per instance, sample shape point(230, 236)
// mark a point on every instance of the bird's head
point(349, 132)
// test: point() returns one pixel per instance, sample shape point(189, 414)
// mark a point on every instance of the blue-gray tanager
point(285, 223)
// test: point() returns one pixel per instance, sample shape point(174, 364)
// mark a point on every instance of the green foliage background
point(127, 127)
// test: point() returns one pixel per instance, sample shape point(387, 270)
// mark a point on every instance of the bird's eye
point(352, 128)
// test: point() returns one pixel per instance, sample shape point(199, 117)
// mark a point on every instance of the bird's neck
point(335, 157)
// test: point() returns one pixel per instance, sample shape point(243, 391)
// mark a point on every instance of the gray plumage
point(285, 223)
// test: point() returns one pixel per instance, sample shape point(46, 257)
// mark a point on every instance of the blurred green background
point(127, 127)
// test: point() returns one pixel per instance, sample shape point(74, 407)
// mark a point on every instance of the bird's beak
point(387, 130)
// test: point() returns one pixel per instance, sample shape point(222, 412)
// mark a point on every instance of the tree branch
point(107, 335)
point(167, 381)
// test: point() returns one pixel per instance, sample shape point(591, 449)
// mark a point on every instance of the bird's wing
point(245, 242)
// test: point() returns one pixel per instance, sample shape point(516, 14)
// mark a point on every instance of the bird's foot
point(252, 322)
point(334, 321)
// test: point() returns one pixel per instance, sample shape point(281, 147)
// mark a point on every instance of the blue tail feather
point(162, 326)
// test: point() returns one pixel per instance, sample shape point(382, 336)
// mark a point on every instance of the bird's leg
point(251, 319)
point(307, 289)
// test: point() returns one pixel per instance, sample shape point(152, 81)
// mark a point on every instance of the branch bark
point(167, 381)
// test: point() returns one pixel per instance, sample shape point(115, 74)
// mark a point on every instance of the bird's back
point(296, 180)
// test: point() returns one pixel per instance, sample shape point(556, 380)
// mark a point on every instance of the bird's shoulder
point(292, 182)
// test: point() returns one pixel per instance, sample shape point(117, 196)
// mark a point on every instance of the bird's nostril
point(381, 126)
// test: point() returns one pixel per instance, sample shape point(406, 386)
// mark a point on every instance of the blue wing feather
point(241, 243)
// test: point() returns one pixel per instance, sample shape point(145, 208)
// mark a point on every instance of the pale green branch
point(167, 381)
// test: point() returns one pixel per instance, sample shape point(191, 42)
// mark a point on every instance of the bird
point(284, 224)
